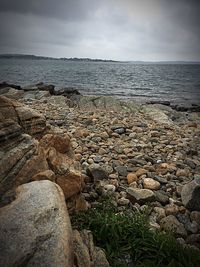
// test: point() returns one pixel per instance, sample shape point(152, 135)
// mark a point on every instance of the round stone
point(123, 201)
point(131, 177)
point(150, 183)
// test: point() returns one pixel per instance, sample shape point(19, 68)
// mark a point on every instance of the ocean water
point(177, 83)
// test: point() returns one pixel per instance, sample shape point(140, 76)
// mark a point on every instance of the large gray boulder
point(35, 229)
point(190, 195)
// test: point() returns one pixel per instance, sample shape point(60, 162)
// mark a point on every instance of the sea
point(176, 83)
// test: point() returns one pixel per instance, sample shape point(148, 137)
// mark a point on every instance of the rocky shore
point(92, 146)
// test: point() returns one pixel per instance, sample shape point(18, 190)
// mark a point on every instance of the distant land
point(23, 56)
point(34, 57)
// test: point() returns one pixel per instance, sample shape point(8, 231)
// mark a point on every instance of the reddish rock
point(131, 177)
point(71, 183)
point(61, 143)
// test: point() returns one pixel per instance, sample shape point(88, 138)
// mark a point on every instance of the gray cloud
point(118, 29)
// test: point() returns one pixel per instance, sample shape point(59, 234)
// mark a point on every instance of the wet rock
point(5, 85)
point(67, 91)
point(36, 222)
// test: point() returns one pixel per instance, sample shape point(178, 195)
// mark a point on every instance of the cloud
point(118, 29)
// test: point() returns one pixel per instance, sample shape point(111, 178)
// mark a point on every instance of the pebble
point(123, 201)
point(128, 151)
point(150, 183)
point(131, 177)
point(121, 170)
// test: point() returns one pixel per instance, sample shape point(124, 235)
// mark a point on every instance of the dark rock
point(190, 195)
point(5, 84)
point(161, 197)
point(166, 103)
point(122, 170)
point(47, 87)
point(160, 179)
point(117, 127)
point(193, 239)
point(67, 91)
point(120, 130)
point(96, 172)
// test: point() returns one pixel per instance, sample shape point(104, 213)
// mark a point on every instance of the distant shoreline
point(75, 59)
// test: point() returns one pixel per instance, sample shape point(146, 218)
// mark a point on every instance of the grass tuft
point(128, 241)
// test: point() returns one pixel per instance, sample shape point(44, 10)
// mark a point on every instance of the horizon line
point(100, 59)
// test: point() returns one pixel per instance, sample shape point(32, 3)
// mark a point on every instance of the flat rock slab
point(35, 228)
point(140, 196)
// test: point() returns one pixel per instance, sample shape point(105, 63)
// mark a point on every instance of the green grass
point(127, 234)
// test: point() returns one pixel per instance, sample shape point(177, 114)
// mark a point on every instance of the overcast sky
point(107, 29)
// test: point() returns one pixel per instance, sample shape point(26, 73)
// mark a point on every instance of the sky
point(149, 30)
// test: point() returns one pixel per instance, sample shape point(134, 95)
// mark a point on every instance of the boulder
point(31, 121)
point(16, 155)
point(86, 254)
point(5, 84)
point(33, 95)
point(71, 183)
point(106, 102)
point(190, 195)
point(24, 159)
point(19, 159)
point(40, 87)
point(35, 228)
point(12, 93)
point(156, 114)
point(60, 142)
point(140, 196)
